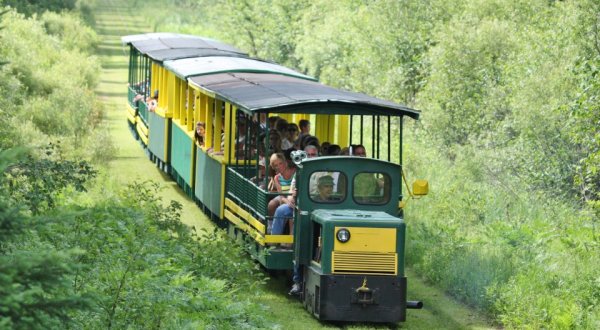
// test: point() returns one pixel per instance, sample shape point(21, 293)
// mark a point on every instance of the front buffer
point(353, 266)
point(352, 298)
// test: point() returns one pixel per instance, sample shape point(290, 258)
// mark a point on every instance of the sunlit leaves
point(46, 89)
point(34, 183)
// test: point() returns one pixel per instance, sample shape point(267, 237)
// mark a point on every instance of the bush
point(35, 279)
point(34, 183)
point(148, 269)
point(47, 86)
point(31, 7)
point(113, 262)
point(71, 31)
point(526, 258)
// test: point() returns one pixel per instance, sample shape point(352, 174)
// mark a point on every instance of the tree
point(35, 286)
point(584, 111)
point(31, 7)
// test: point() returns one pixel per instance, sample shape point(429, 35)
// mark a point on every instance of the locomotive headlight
point(343, 235)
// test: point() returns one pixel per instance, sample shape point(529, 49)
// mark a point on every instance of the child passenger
point(199, 133)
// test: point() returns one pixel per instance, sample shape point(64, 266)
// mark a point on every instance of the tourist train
point(203, 112)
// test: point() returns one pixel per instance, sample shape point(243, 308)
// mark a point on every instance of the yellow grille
point(364, 263)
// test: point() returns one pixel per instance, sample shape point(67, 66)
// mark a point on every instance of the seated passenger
point(272, 120)
point(325, 148)
point(286, 170)
point(292, 135)
point(282, 128)
point(285, 211)
point(199, 133)
point(334, 150)
point(358, 150)
point(311, 151)
point(152, 102)
point(282, 181)
point(309, 140)
point(261, 121)
point(274, 141)
point(304, 126)
point(240, 141)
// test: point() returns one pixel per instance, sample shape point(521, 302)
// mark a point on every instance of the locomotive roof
point(255, 92)
point(179, 44)
point(199, 66)
point(353, 214)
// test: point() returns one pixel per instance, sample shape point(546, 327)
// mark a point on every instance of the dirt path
point(115, 18)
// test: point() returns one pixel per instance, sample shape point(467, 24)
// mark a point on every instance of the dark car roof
point(169, 46)
point(268, 92)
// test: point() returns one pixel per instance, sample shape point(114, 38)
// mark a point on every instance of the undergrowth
point(113, 261)
point(530, 259)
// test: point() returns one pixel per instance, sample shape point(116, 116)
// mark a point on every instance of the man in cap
point(325, 188)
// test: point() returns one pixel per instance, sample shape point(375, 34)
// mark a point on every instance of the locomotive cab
point(348, 242)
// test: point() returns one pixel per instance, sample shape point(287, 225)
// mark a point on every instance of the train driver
point(325, 188)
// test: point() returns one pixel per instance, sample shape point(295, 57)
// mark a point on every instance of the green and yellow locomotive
point(350, 246)
point(348, 239)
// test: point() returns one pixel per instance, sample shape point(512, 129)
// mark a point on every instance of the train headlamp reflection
point(343, 235)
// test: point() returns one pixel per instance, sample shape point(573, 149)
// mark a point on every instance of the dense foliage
point(509, 140)
point(35, 290)
point(46, 88)
point(75, 257)
point(30, 7)
point(116, 261)
point(33, 182)
point(509, 136)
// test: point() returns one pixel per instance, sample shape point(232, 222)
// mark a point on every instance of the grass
point(115, 18)
point(130, 163)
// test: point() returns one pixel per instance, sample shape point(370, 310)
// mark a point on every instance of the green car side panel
point(158, 135)
point(208, 182)
point(181, 153)
point(200, 188)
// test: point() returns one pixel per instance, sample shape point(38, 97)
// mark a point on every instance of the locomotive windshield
point(327, 187)
point(371, 188)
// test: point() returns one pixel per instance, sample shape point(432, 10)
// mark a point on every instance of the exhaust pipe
point(414, 304)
